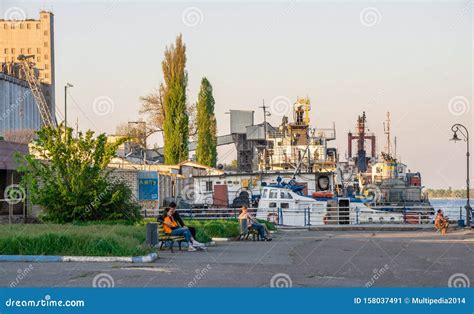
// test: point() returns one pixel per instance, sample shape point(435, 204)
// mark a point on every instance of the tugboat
point(382, 180)
point(368, 189)
point(284, 203)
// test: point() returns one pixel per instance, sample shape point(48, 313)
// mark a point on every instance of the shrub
point(69, 178)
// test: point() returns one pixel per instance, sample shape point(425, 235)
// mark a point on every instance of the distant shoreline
point(447, 198)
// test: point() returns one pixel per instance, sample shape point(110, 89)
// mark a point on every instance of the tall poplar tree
point(175, 124)
point(206, 151)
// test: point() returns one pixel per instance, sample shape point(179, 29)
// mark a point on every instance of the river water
point(450, 207)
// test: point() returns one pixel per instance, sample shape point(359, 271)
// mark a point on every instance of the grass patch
point(94, 239)
point(219, 228)
point(73, 240)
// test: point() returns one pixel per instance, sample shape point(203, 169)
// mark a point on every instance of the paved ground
point(306, 258)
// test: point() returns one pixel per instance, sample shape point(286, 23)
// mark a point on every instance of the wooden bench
point(165, 238)
point(246, 231)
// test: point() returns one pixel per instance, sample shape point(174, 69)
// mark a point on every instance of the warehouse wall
point(18, 109)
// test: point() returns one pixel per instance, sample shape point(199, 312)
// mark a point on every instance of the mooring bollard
point(152, 233)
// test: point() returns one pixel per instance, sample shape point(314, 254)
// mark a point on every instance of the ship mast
point(387, 133)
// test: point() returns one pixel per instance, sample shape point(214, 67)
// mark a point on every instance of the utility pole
point(265, 113)
point(65, 107)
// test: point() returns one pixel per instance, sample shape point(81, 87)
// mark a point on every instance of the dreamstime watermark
point(103, 105)
point(188, 192)
point(98, 199)
point(14, 194)
point(21, 274)
point(370, 16)
point(376, 276)
point(281, 106)
point(459, 105)
point(459, 280)
point(200, 273)
point(103, 280)
point(14, 14)
point(192, 17)
point(13, 107)
point(281, 280)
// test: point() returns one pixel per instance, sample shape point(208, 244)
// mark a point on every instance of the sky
point(412, 58)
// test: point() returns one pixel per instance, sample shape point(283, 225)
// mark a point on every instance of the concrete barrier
point(100, 259)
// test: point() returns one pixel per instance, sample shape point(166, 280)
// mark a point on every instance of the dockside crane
point(35, 87)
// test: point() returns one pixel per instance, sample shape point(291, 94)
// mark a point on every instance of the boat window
point(273, 194)
point(285, 205)
point(265, 192)
point(290, 197)
point(272, 205)
point(282, 195)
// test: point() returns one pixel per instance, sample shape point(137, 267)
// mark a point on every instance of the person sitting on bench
point(179, 220)
point(170, 226)
point(261, 229)
point(441, 223)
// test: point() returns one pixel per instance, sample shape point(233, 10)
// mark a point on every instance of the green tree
point(69, 178)
point(176, 119)
point(206, 150)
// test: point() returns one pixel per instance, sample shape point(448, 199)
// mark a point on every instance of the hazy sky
point(412, 58)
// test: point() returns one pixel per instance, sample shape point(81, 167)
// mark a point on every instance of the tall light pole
point(65, 106)
point(465, 133)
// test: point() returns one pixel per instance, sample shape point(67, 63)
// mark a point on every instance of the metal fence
point(330, 215)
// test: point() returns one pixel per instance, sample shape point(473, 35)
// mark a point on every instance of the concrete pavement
point(296, 258)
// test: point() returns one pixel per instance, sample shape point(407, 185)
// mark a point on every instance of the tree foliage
point(175, 124)
point(449, 193)
point(68, 177)
point(206, 150)
point(135, 132)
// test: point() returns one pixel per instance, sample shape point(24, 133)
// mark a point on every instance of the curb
point(221, 239)
point(101, 259)
point(367, 228)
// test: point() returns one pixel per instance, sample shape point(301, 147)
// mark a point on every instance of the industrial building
point(35, 38)
point(18, 110)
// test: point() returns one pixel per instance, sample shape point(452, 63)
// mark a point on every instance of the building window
point(46, 66)
point(45, 44)
point(28, 26)
point(13, 50)
point(46, 57)
point(37, 26)
point(29, 50)
point(5, 51)
point(38, 59)
point(22, 26)
point(22, 50)
point(13, 26)
point(45, 33)
point(46, 75)
point(209, 186)
point(38, 50)
point(5, 26)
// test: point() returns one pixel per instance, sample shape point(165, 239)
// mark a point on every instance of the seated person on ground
point(441, 223)
point(171, 227)
point(261, 229)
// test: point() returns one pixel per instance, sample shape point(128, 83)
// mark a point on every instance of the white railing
point(330, 216)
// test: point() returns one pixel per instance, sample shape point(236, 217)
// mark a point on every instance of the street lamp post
point(465, 133)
